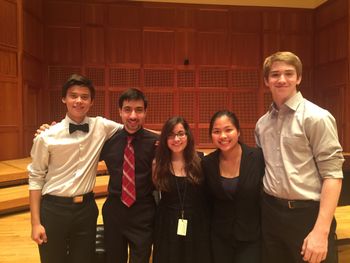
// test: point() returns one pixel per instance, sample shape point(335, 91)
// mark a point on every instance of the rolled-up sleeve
point(40, 161)
point(326, 148)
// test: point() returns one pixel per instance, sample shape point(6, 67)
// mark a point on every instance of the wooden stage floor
point(17, 247)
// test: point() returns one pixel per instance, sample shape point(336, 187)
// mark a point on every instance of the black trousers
point(70, 230)
point(285, 229)
point(234, 251)
point(128, 227)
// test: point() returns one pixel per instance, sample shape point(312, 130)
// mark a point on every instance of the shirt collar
point(293, 103)
point(69, 120)
point(136, 135)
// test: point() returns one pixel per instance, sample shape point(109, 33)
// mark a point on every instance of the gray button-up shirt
point(301, 148)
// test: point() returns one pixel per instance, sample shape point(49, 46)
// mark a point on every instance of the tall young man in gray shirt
point(303, 174)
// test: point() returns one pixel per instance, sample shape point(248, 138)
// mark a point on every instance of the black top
point(237, 214)
point(112, 153)
point(230, 185)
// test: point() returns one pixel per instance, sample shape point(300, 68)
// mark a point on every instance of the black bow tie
point(78, 127)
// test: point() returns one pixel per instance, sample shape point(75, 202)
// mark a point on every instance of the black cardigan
point(236, 217)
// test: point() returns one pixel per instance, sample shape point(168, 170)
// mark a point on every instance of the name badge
point(182, 227)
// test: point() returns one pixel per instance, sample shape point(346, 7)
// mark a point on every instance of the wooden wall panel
point(332, 90)
point(213, 49)
point(185, 48)
point(64, 46)
point(300, 44)
point(10, 144)
point(94, 45)
point(246, 20)
point(62, 13)
point(8, 23)
point(94, 14)
point(34, 7)
point(33, 71)
point(9, 114)
point(33, 37)
point(209, 20)
point(8, 63)
point(163, 17)
point(159, 47)
point(124, 46)
point(124, 16)
point(246, 50)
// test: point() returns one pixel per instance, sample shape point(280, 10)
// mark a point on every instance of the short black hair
point(132, 94)
point(229, 114)
point(78, 80)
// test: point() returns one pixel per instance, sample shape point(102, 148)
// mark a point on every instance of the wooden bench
point(14, 194)
point(14, 172)
point(16, 198)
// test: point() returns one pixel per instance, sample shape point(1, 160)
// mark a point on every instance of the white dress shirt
point(301, 148)
point(65, 164)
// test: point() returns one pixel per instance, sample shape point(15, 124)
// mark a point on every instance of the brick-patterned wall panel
point(125, 77)
point(210, 102)
point(57, 108)
point(245, 105)
point(186, 78)
point(98, 109)
point(96, 75)
point(245, 78)
point(159, 78)
point(267, 100)
point(188, 106)
point(113, 105)
point(59, 75)
point(160, 107)
point(247, 136)
point(214, 78)
point(203, 138)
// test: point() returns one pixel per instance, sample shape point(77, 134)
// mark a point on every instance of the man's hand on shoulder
point(44, 127)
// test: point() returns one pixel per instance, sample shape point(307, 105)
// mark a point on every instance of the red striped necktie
point(128, 180)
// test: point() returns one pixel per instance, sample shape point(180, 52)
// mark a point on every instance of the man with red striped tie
point(128, 212)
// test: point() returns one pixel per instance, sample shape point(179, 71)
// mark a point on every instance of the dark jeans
point(128, 227)
point(70, 230)
point(284, 231)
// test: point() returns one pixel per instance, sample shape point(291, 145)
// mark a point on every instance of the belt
point(79, 199)
point(290, 204)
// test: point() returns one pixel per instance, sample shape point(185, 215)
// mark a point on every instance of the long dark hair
point(163, 169)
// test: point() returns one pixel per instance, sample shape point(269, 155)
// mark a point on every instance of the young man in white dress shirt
point(62, 176)
point(303, 174)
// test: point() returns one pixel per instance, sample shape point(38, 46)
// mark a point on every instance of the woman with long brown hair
point(182, 226)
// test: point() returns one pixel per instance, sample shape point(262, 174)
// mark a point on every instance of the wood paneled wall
point(190, 60)
point(11, 132)
point(331, 89)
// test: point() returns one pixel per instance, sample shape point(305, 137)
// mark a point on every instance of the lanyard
point(181, 198)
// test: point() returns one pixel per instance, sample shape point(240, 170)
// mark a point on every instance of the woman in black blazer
point(233, 174)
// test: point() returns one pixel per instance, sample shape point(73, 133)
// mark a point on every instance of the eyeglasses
point(179, 135)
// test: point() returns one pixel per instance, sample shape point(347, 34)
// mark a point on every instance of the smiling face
point(133, 114)
point(224, 133)
point(78, 101)
point(177, 139)
point(282, 81)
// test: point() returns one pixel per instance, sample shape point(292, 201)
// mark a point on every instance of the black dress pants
point(285, 229)
point(70, 230)
point(128, 227)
